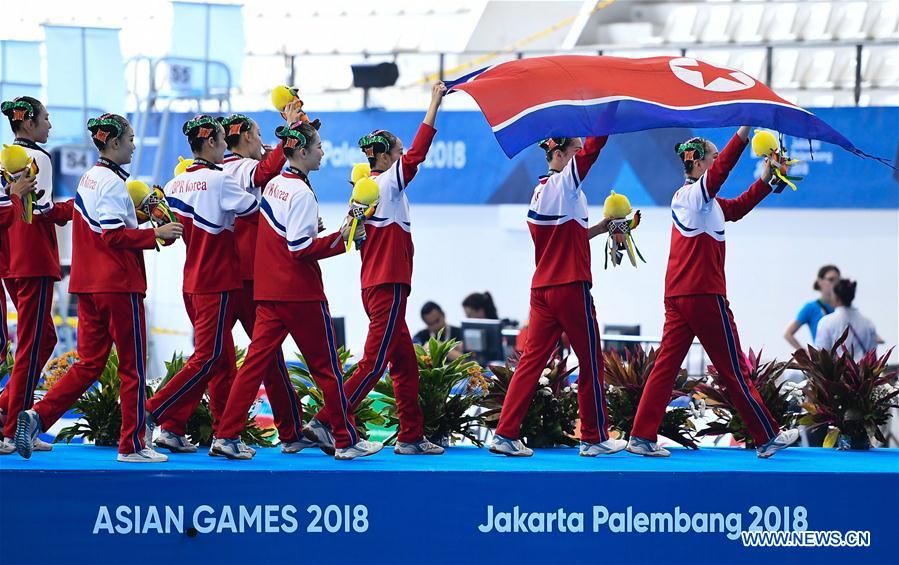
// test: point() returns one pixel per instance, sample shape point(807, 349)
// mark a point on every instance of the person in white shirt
point(862, 334)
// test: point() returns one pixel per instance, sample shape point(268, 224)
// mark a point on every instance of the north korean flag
point(528, 100)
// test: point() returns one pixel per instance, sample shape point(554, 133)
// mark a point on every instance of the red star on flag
point(710, 72)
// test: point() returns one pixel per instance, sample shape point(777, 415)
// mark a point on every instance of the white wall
point(773, 256)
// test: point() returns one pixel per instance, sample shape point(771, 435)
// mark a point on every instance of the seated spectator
point(435, 320)
point(480, 306)
point(862, 335)
point(812, 312)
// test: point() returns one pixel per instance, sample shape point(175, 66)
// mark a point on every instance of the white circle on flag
point(687, 70)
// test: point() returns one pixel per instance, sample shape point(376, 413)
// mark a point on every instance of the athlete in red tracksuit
point(291, 299)
point(561, 299)
point(109, 278)
point(386, 283)
point(33, 263)
point(10, 211)
point(246, 164)
point(206, 200)
point(696, 297)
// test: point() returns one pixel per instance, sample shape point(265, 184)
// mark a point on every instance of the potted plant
point(448, 391)
point(365, 415)
point(782, 399)
point(853, 397)
point(101, 418)
point(552, 415)
point(625, 380)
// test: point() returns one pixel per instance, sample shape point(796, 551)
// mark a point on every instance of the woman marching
point(386, 284)
point(291, 299)
point(109, 278)
point(696, 302)
point(33, 263)
point(561, 299)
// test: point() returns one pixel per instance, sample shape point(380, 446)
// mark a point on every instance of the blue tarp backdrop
point(467, 166)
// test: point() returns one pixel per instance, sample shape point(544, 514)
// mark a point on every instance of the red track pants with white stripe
point(4, 336)
point(309, 323)
point(33, 298)
point(281, 395)
point(388, 343)
point(565, 308)
point(708, 317)
point(212, 362)
point(4, 348)
point(104, 320)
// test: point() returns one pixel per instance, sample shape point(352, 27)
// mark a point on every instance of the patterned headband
point(551, 143)
point(207, 125)
point(293, 138)
point(692, 150)
point(368, 142)
point(236, 124)
point(18, 109)
point(94, 125)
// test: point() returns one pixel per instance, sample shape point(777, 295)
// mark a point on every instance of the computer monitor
point(339, 324)
point(620, 347)
point(483, 339)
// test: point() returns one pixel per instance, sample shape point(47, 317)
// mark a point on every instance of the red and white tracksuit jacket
point(33, 267)
point(291, 300)
point(109, 278)
point(386, 283)
point(561, 299)
point(252, 175)
point(695, 299)
point(10, 209)
point(206, 200)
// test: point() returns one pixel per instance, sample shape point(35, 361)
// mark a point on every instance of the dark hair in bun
point(845, 291)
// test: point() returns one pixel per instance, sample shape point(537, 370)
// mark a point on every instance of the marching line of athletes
point(254, 239)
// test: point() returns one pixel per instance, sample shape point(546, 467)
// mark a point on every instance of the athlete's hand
point(359, 235)
point(767, 170)
point(293, 111)
point(438, 91)
point(360, 232)
point(23, 186)
point(321, 225)
point(169, 232)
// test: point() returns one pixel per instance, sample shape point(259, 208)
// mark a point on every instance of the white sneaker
point(320, 434)
point(511, 447)
point(149, 426)
point(607, 447)
point(243, 447)
point(28, 426)
point(647, 448)
point(41, 445)
point(292, 447)
point(145, 455)
point(174, 443)
point(363, 448)
point(420, 447)
point(230, 448)
point(784, 439)
point(7, 446)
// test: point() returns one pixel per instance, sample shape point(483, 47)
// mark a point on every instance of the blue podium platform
point(78, 505)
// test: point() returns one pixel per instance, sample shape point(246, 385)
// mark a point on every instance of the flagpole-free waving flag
point(528, 100)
